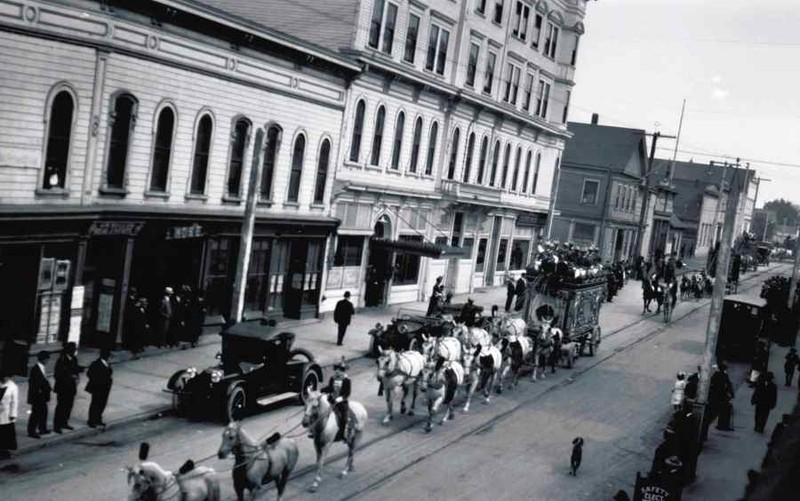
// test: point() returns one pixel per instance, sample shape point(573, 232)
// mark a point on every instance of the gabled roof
point(617, 148)
point(704, 173)
point(330, 24)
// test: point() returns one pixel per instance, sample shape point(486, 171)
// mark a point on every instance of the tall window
point(406, 266)
point(536, 173)
point(515, 177)
point(566, 107)
point(512, 84)
point(377, 138)
point(537, 31)
point(526, 99)
point(502, 250)
point(358, 129)
point(551, 40)
point(202, 148)
point(437, 49)
point(472, 64)
point(480, 6)
point(498, 11)
point(468, 159)
point(521, 16)
point(495, 161)
point(162, 150)
point(121, 121)
point(415, 145)
point(297, 168)
point(506, 161)
point(543, 99)
point(451, 168)
point(238, 144)
point(431, 148)
point(590, 190)
point(270, 157)
point(488, 78)
point(524, 188)
point(59, 132)
point(382, 26)
point(482, 160)
point(412, 33)
point(348, 251)
point(398, 140)
point(480, 257)
point(322, 172)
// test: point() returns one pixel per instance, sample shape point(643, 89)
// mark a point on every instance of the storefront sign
point(183, 232)
point(124, 228)
point(531, 219)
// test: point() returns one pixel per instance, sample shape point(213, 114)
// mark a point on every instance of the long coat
point(343, 312)
point(9, 403)
point(38, 386)
point(67, 374)
point(100, 378)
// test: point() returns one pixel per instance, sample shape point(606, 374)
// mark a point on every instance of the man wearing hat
point(164, 316)
point(338, 391)
point(99, 385)
point(342, 315)
point(67, 373)
point(38, 396)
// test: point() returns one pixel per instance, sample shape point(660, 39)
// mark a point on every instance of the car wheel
point(310, 382)
point(237, 403)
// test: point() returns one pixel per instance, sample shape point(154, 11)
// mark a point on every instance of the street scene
point(390, 249)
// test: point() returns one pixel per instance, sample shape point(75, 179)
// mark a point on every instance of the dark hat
point(42, 356)
point(621, 496)
point(144, 451)
point(273, 438)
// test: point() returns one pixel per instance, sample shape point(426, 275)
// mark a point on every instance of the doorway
point(619, 245)
point(379, 267)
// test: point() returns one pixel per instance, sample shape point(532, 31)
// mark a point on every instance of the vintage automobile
point(406, 330)
point(257, 367)
point(741, 326)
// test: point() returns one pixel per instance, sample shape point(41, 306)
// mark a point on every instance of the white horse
point(152, 482)
point(516, 348)
point(399, 370)
point(477, 348)
point(445, 348)
point(440, 382)
point(320, 419)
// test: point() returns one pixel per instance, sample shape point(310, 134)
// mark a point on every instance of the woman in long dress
point(9, 401)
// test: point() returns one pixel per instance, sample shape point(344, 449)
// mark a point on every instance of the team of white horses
point(469, 359)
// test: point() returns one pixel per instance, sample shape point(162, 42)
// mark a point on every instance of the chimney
point(595, 118)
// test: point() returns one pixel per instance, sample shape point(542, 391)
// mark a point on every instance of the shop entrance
point(379, 267)
point(618, 245)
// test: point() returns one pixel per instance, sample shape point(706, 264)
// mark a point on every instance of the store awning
point(417, 248)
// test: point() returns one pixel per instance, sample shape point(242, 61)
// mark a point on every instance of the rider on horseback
point(338, 391)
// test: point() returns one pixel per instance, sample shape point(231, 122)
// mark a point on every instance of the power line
point(751, 160)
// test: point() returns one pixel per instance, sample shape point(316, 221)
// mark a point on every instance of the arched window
point(451, 169)
point(297, 168)
point(59, 132)
point(515, 177)
point(322, 172)
point(358, 129)
point(482, 159)
point(202, 148)
point(431, 148)
point(162, 150)
point(506, 160)
point(270, 157)
point(121, 121)
point(377, 138)
point(495, 161)
point(239, 136)
point(415, 145)
point(468, 160)
point(536, 172)
point(398, 140)
point(524, 188)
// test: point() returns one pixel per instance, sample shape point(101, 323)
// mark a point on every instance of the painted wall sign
point(107, 228)
point(183, 232)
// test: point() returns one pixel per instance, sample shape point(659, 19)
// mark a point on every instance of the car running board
point(277, 398)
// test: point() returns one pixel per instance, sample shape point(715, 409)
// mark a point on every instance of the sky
point(736, 62)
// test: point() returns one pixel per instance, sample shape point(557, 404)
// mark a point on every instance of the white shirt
point(41, 368)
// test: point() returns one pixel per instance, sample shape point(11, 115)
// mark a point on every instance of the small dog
point(577, 456)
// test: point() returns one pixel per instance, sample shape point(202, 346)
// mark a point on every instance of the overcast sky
point(736, 62)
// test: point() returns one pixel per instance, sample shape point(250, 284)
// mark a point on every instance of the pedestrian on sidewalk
point(437, 297)
point(196, 319)
point(511, 290)
point(9, 403)
point(177, 323)
point(38, 396)
point(67, 374)
point(792, 360)
point(678, 391)
point(164, 317)
point(99, 385)
point(342, 315)
point(141, 327)
point(720, 394)
point(765, 396)
point(521, 292)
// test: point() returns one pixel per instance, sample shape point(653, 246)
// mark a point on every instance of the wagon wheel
point(236, 405)
point(310, 383)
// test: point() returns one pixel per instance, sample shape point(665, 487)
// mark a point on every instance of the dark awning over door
point(425, 249)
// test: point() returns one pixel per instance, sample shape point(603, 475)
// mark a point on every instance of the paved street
point(618, 401)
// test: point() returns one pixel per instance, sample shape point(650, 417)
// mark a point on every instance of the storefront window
point(348, 251)
point(480, 259)
point(502, 248)
point(406, 266)
point(467, 246)
point(313, 269)
point(279, 263)
point(519, 254)
point(217, 276)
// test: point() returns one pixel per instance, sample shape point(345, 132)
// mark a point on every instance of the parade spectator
point(647, 294)
point(437, 297)
point(342, 315)
point(196, 318)
point(760, 360)
point(129, 333)
point(38, 396)
point(789, 366)
point(99, 386)
point(765, 396)
point(511, 290)
point(141, 327)
point(178, 321)
point(678, 391)
point(9, 403)
point(692, 382)
point(719, 396)
point(67, 375)
point(521, 292)
point(164, 317)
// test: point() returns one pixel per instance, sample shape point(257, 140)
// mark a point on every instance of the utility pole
point(720, 283)
point(246, 242)
point(646, 199)
point(553, 195)
point(793, 281)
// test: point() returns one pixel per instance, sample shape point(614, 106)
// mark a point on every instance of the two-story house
point(599, 197)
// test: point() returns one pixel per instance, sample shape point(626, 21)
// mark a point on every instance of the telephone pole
point(793, 281)
point(646, 198)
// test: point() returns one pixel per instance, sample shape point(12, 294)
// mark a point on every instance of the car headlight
point(216, 376)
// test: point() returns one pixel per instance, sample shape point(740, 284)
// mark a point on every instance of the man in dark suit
point(67, 374)
point(38, 395)
point(342, 315)
point(765, 396)
point(99, 386)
